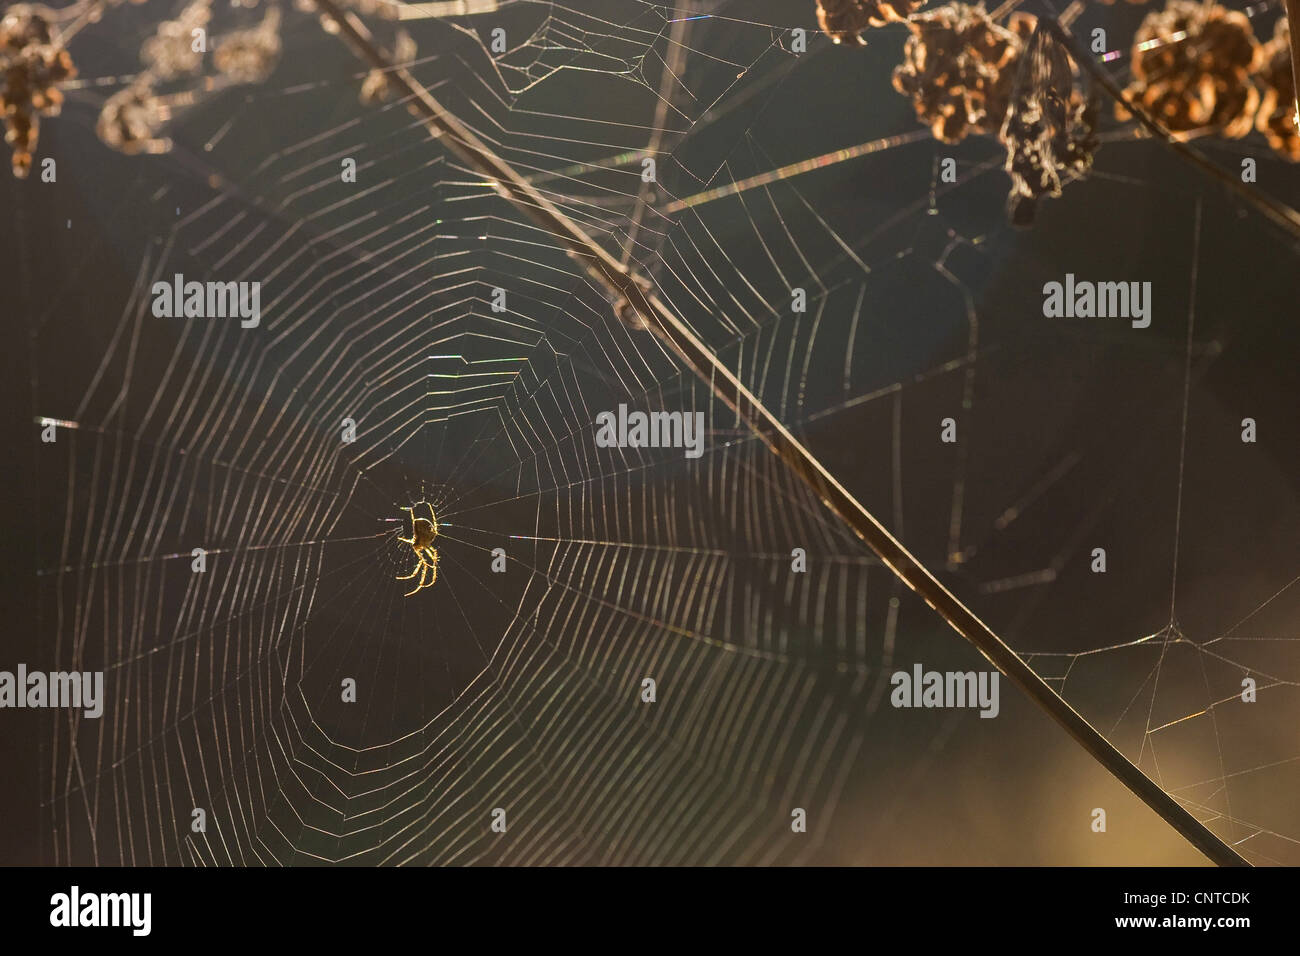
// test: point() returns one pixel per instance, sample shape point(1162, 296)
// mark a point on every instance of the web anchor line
point(636, 294)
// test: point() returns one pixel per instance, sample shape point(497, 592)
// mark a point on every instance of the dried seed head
point(845, 21)
point(1191, 69)
point(170, 51)
point(1050, 128)
point(958, 68)
point(1277, 111)
point(131, 119)
point(32, 64)
point(249, 56)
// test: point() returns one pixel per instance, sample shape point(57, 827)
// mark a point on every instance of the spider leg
point(420, 583)
point(411, 539)
point(425, 572)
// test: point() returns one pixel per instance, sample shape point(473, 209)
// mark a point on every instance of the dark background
point(920, 787)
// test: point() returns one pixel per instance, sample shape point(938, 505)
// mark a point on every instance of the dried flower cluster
point(1276, 118)
point(845, 21)
point(33, 63)
point(968, 75)
point(171, 51)
point(133, 119)
point(1192, 66)
point(958, 68)
point(1050, 128)
point(1197, 68)
point(249, 56)
point(177, 70)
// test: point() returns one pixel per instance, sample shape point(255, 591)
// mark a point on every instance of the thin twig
point(681, 341)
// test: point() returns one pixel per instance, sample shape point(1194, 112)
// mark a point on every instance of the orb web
point(774, 170)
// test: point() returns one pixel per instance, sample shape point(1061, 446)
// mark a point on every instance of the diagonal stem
point(695, 355)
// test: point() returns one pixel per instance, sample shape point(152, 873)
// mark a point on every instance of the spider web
point(522, 690)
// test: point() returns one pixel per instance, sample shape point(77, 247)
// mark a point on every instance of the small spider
point(423, 533)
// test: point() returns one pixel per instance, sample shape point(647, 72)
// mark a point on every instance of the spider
point(423, 532)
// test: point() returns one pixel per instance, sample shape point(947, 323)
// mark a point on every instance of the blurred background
point(521, 690)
